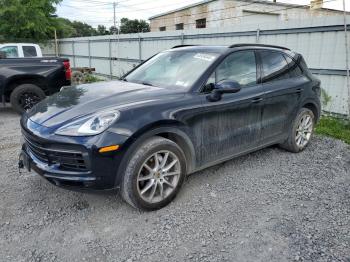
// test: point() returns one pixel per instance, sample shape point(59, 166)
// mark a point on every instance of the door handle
point(257, 100)
point(298, 90)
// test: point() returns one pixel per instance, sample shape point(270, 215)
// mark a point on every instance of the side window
point(239, 66)
point(294, 69)
point(275, 66)
point(10, 51)
point(29, 51)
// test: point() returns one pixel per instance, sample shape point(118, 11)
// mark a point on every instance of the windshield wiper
point(146, 84)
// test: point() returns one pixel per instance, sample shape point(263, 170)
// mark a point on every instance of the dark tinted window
point(179, 26)
point(29, 51)
point(275, 66)
point(295, 70)
point(162, 28)
point(201, 23)
point(239, 66)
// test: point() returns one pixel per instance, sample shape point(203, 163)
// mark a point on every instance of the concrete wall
point(321, 41)
point(222, 13)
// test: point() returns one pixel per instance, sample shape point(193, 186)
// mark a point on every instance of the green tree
point(128, 26)
point(113, 29)
point(101, 30)
point(27, 20)
point(64, 28)
point(67, 28)
point(83, 29)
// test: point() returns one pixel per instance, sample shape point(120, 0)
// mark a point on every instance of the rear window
point(29, 51)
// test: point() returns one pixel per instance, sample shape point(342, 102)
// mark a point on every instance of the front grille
point(65, 159)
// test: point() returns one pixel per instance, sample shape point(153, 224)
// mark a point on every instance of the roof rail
point(261, 45)
point(177, 46)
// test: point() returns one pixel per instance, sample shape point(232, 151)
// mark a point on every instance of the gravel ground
point(267, 206)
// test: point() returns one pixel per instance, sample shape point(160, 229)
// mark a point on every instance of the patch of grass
point(334, 127)
point(91, 79)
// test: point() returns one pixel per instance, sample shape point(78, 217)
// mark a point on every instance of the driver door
point(232, 125)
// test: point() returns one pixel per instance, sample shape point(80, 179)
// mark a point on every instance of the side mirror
point(226, 87)
point(2, 55)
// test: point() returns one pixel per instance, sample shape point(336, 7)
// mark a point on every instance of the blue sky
point(95, 12)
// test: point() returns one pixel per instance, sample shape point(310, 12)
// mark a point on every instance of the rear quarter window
point(294, 69)
point(274, 65)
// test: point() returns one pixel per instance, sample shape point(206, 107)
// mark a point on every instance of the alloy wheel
point(28, 100)
point(158, 176)
point(304, 130)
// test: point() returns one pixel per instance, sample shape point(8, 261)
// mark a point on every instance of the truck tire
point(154, 174)
point(25, 96)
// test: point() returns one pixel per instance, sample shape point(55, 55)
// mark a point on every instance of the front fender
point(174, 132)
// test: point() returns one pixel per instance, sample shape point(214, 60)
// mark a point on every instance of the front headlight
point(90, 126)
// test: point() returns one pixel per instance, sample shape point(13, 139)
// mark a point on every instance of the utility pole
point(347, 58)
point(56, 43)
point(114, 22)
point(114, 32)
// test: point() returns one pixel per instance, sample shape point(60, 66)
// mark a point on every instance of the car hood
point(78, 101)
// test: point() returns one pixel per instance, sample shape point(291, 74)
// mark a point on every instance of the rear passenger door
point(283, 84)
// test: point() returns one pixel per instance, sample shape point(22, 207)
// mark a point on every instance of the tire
point(25, 96)
point(137, 178)
point(299, 135)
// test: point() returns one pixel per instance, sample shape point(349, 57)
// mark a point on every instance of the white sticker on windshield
point(206, 57)
point(181, 83)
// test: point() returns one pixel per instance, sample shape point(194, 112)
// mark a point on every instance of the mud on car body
point(182, 110)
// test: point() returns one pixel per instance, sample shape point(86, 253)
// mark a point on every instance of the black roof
point(259, 45)
point(208, 48)
point(224, 48)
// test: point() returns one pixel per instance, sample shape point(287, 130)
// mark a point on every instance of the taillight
point(68, 70)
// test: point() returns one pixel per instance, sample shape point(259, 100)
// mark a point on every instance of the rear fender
point(17, 80)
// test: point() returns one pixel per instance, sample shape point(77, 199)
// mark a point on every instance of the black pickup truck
point(26, 81)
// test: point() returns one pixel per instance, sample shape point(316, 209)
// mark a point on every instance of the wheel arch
point(17, 80)
point(169, 129)
point(314, 107)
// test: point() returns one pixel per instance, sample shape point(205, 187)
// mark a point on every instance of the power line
point(152, 1)
point(127, 6)
point(84, 10)
point(99, 2)
point(114, 22)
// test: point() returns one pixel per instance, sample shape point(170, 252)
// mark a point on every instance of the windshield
point(174, 69)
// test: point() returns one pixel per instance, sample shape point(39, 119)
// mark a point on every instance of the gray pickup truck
point(26, 81)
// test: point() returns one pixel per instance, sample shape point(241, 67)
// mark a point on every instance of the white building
point(220, 13)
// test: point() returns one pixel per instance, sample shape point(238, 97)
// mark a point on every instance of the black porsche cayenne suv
point(180, 111)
